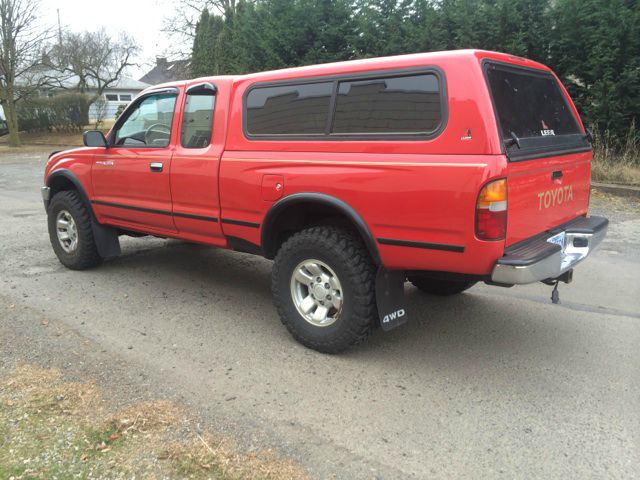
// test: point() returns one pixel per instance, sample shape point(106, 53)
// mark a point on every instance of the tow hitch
point(566, 277)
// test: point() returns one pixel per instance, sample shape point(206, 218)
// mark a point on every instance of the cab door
point(131, 177)
point(196, 163)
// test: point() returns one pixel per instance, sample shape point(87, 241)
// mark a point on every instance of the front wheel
point(323, 286)
point(70, 231)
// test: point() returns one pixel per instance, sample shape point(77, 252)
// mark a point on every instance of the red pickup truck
point(441, 168)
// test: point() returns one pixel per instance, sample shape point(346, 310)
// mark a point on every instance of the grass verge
point(617, 161)
point(611, 171)
point(55, 429)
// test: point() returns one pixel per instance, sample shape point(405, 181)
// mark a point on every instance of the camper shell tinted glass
point(407, 104)
point(289, 110)
point(398, 104)
point(533, 114)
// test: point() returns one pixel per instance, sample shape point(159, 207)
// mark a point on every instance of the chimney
point(161, 61)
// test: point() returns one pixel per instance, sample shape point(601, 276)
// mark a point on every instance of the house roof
point(123, 83)
point(127, 83)
point(68, 81)
point(168, 71)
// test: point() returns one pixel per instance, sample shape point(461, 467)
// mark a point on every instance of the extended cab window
point(407, 104)
point(533, 114)
point(148, 123)
point(197, 121)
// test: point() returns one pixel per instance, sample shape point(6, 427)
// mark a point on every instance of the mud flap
point(106, 239)
point(390, 298)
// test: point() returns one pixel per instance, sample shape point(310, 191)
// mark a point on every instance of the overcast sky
point(142, 19)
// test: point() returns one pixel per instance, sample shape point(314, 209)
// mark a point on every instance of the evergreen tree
point(596, 51)
point(594, 45)
point(328, 30)
point(383, 27)
point(199, 57)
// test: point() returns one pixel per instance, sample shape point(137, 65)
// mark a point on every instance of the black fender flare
point(106, 238)
point(70, 176)
point(267, 239)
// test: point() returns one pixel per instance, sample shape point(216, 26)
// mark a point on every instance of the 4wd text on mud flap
point(393, 315)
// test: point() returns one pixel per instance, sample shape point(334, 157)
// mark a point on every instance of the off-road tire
point(86, 253)
point(441, 287)
point(347, 256)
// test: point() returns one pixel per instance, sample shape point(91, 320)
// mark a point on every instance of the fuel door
point(272, 187)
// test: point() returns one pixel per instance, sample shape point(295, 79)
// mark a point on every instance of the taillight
point(491, 211)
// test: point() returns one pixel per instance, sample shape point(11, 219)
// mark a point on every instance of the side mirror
point(94, 138)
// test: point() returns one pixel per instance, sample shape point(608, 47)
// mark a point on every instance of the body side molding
point(426, 245)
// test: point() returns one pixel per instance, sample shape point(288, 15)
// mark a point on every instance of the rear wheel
point(70, 232)
point(323, 285)
point(441, 287)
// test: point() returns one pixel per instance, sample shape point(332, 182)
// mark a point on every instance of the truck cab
point(444, 168)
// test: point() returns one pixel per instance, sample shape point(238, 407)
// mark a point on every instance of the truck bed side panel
point(424, 200)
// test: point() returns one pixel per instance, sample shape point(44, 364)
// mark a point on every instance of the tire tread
point(86, 255)
point(362, 273)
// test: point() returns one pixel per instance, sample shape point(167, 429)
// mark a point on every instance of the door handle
point(156, 166)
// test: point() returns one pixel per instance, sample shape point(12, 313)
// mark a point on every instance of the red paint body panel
point(538, 203)
point(427, 198)
point(194, 176)
point(127, 180)
point(406, 190)
point(77, 161)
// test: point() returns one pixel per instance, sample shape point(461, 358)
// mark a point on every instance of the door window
point(148, 124)
point(197, 121)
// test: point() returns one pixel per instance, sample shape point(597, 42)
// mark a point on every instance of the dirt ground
point(57, 428)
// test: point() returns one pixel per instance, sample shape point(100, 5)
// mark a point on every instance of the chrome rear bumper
point(538, 259)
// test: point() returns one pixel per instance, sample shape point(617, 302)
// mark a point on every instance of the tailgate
point(544, 193)
point(549, 154)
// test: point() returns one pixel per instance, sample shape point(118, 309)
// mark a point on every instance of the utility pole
point(59, 28)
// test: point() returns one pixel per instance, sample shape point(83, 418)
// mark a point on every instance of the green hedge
point(60, 113)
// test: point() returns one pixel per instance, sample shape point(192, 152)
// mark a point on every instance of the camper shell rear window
point(533, 114)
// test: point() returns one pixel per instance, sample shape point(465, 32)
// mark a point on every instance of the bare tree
point(89, 62)
point(181, 25)
point(21, 43)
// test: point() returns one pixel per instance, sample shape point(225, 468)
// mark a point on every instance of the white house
point(118, 93)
